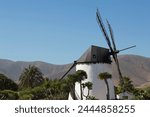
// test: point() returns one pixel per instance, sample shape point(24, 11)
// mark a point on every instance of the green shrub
point(7, 84)
point(8, 95)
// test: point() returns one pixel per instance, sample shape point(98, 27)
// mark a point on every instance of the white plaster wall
point(99, 87)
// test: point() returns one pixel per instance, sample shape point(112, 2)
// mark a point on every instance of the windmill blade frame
point(111, 35)
point(113, 50)
point(102, 27)
point(127, 48)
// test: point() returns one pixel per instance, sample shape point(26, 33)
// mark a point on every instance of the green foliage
point(26, 97)
point(31, 77)
point(89, 85)
point(80, 75)
point(8, 95)
point(57, 90)
point(25, 94)
point(38, 93)
point(7, 84)
point(147, 89)
point(139, 93)
point(142, 94)
point(32, 86)
point(105, 75)
point(128, 86)
point(91, 98)
point(49, 90)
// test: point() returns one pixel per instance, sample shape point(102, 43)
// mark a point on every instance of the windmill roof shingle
point(95, 54)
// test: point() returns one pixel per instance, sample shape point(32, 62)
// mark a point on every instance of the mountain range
point(134, 66)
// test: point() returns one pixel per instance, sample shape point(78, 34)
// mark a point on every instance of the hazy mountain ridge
point(136, 67)
point(13, 69)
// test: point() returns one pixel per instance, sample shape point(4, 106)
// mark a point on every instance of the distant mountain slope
point(14, 69)
point(136, 67)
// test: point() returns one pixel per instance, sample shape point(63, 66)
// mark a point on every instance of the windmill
point(113, 49)
point(96, 60)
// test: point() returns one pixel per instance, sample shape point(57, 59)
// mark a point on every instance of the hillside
point(13, 69)
point(136, 67)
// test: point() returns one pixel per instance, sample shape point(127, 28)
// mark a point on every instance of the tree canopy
point(7, 84)
point(31, 77)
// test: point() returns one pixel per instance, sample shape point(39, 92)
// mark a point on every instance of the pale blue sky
point(59, 31)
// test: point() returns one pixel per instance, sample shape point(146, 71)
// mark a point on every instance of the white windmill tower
point(97, 60)
point(94, 61)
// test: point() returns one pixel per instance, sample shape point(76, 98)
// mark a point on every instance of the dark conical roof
point(95, 54)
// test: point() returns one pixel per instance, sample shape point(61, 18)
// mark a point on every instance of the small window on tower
point(94, 56)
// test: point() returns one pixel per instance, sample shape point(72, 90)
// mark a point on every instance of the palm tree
point(104, 76)
point(31, 77)
point(128, 86)
point(7, 84)
point(80, 76)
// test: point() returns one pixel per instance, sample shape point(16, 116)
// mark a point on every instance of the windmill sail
point(112, 35)
point(112, 50)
